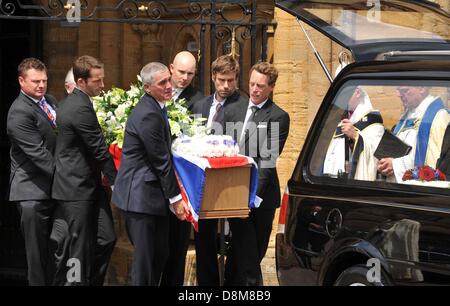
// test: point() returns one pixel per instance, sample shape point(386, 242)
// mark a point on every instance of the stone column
point(88, 36)
point(132, 55)
point(151, 42)
point(110, 47)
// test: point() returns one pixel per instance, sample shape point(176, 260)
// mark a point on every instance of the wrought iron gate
point(219, 33)
point(252, 24)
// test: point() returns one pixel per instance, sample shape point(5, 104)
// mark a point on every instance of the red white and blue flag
point(191, 177)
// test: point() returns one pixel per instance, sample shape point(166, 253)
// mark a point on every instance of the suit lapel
point(186, 93)
point(154, 105)
point(37, 109)
point(207, 107)
point(240, 112)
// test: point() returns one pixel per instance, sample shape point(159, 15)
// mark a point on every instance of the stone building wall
point(125, 48)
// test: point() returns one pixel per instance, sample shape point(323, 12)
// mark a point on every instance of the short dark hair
point(30, 63)
point(83, 65)
point(225, 64)
point(267, 69)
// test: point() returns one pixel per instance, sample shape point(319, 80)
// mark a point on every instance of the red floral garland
point(424, 173)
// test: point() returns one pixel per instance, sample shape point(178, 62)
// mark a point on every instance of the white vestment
point(366, 166)
point(409, 136)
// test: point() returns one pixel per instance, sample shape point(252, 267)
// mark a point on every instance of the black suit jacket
point(33, 140)
point(191, 95)
point(203, 106)
point(264, 143)
point(146, 179)
point(81, 152)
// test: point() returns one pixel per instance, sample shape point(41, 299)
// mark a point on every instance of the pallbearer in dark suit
point(262, 136)
point(31, 130)
point(183, 72)
point(146, 186)
point(225, 73)
point(81, 157)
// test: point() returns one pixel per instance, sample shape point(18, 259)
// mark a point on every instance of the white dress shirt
point(176, 92)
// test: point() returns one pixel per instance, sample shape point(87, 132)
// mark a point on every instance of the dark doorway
point(18, 39)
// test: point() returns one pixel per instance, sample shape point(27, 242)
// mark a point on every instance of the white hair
point(69, 77)
point(149, 71)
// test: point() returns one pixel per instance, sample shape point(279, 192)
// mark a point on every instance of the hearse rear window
point(394, 132)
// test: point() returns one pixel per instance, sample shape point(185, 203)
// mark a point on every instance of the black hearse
point(339, 230)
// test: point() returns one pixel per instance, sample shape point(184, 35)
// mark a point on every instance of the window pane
point(386, 133)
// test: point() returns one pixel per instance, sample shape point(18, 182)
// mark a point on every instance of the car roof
point(368, 30)
point(416, 69)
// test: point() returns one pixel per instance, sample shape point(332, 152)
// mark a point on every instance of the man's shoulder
point(71, 102)
point(277, 110)
point(191, 93)
point(145, 106)
point(21, 104)
point(237, 97)
point(207, 99)
point(198, 106)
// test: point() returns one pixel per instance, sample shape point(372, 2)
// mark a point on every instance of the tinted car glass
point(378, 108)
point(368, 28)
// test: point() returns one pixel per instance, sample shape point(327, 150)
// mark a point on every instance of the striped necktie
point(44, 106)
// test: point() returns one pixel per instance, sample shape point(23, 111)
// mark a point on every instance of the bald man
point(183, 72)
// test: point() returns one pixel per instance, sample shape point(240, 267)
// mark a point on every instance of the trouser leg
point(179, 232)
point(242, 267)
point(35, 224)
point(206, 253)
point(262, 220)
point(80, 220)
point(149, 236)
point(105, 239)
point(59, 247)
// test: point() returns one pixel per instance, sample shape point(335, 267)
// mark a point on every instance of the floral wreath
point(424, 173)
point(114, 106)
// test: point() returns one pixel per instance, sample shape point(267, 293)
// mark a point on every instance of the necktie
point(166, 117)
point(218, 116)
point(250, 120)
point(44, 106)
point(254, 109)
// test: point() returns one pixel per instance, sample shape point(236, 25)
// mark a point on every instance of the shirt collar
point(217, 102)
point(260, 105)
point(84, 93)
point(421, 108)
point(33, 99)
point(161, 104)
point(177, 91)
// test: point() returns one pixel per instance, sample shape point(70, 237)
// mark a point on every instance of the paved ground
point(119, 269)
point(267, 265)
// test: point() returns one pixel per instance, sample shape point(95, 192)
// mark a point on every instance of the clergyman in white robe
point(369, 130)
point(426, 145)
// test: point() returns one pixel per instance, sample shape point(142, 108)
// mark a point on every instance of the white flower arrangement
point(114, 106)
point(206, 146)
